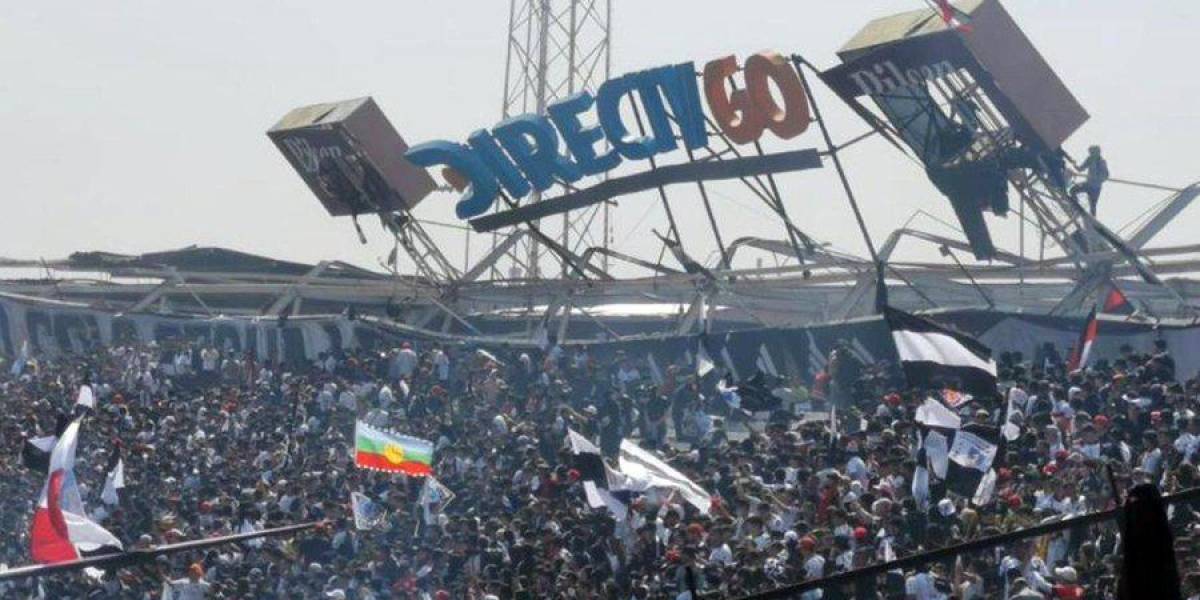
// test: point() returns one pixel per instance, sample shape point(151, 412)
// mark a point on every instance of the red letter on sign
point(735, 113)
point(791, 120)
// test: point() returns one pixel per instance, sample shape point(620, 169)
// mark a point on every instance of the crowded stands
point(213, 442)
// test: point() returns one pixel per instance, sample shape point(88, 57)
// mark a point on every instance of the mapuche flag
point(391, 452)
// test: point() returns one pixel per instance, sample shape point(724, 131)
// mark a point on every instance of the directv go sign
point(521, 154)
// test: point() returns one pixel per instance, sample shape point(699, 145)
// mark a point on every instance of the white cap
point(1067, 574)
point(946, 507)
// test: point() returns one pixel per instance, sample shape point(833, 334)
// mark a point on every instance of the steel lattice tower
point(556, 48)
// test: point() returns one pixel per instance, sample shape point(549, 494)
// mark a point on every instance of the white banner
point(972, 451)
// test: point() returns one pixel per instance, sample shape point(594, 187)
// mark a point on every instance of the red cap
point(892, 399)
point(860, 533)
point(1014, 501)
point(573, 475)
point(1100, 421)
point(808, 542)
point(1049, 469)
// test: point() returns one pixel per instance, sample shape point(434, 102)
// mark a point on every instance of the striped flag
point(649, 471)
point(1083, 348)
point(764, 362)
point(61, 530)
point(86, 397)
point(386, 451)
point(931, 353)
point(115, 480)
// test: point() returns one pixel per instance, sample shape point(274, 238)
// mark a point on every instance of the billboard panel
point(351, 157)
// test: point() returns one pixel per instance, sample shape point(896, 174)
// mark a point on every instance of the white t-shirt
point(814, 568)
point(186, 589)
point(442, 363)
point(1187, 444)
point(209, 358)
point(857, 469)
point(721, 555)
point(406, 362)
point(921, 587)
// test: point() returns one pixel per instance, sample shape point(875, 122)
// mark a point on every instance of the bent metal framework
point(536, 190)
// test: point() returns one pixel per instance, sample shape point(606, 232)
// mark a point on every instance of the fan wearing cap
point(1067, 586)
point(814, 565)
point(192, 587)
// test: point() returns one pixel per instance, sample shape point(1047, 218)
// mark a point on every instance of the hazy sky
point(139, 125)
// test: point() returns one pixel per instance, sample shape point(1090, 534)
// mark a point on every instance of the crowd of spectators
point(214, 443)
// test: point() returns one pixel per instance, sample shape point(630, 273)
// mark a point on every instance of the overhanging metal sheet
point(749, 166)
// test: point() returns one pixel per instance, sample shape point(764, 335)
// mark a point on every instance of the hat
point(860, 533)
point(808, 542)
point(945, 506)
point(1066, 574)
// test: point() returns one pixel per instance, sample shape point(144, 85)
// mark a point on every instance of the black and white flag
point(958, 458)
point(972, 455)
point(86, 397)
point(602, 486)
point(35, 452)
point(931, 353)
point(113, 481)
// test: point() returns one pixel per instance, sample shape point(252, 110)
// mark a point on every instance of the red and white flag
point(1083, 348)
point(952, 16)
point(1115, 303)
point(61, 530)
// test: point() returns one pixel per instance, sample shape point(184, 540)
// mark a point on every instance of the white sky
point(139, 126)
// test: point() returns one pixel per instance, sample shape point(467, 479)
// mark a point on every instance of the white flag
point(433, 499)
point(114, 481)
point(937, 450)
point(86, 397)
point(22, 358)
point(704, 363)
point(649, 470)
point(367, 514)
point(972, 451)
point(655, 373)
point(986, 489)
point(935, 414)
point(728, 360)
point(764, 362)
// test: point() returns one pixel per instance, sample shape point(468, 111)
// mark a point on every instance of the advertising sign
point(523, 154)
